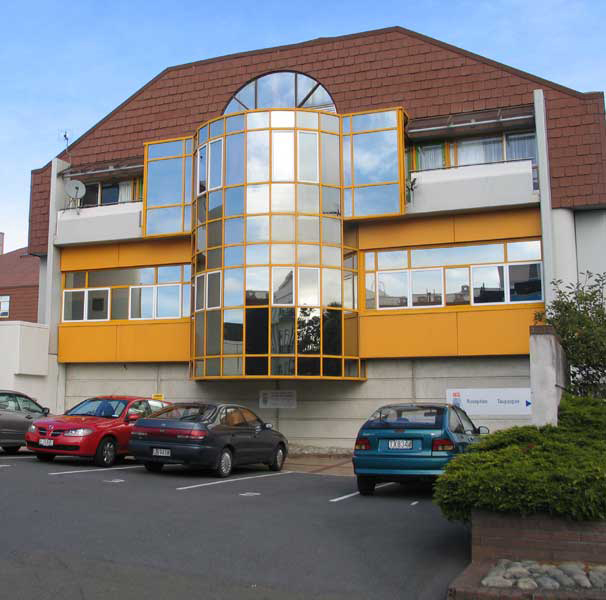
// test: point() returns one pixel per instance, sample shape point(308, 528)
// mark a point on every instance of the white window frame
point(137, 287)
point(411, 271)
point(505, 283)
point(5, 300)
point(196, 309)
point(197, 180)
point(297, 175)
point(85, 316)
point(408, 297)
point(157, 287)
point(206, 286)
point(529, 262)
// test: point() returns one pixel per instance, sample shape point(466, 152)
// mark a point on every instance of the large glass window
point(392, 289)
point(488, 284)
point(478, 151)
point(525, 284)
point(426, 287)
point(375, 157)
point(233, 331)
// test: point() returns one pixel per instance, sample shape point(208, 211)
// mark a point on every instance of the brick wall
point(384, 68)
point(23, 304)
point(540, 538)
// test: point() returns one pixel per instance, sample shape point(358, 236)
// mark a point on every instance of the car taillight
point(442, 445)
point(194, 434)
point(362, 444)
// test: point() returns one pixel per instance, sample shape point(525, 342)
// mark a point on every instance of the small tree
point(578, 315)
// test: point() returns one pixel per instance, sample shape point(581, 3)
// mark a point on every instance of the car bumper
point(62, 445)
point(180, 454)
point(386, 466)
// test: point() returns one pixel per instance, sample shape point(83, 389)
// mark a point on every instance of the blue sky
point(65, 66)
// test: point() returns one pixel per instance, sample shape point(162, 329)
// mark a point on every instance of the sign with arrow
point(494, 402)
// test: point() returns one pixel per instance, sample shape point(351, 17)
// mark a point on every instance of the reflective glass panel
point(216, 128)
point(200, 292)
point(283, 254)
point(530, 250)
point(488, 284)
point(348, 203)
point(308, 367)
point(257, 156)
point(169, 274)
point(165, 149)
point(200, 262)
point(308, 156)
point(257, 229)
point(457, 255)
point(187, 218)
point(199, 335)
point(308, 198)
point(257, 254)
point(393, 289)
point(234, 123)
point(234, 256)
point(165, 182)
point(347, 160)
point(329, 123)
point(332, 367)
point(282, 285)
point(186, 272)
point(233, 287)
point(351, 368)
point(275, 90)
point(309, 287)
point(320, 98)
point(257, 199)
point(203, 134)
point(331, 256)
point(234, 201)
point(308, 330)
point(214, 258)
point(189, 165)
point(233, 366)
point(142, 303)
point(168, 302)
point(308, 255)
point(282, 365)
point(257, 330)
point(331, 159)
point(213, 333)
point(214, 233)
point(525, 283)
point(186, 300)
point(257, 120)
point(370, 291)
point(350, 290)
point(201, 209)
point(234, 159)
point(233, 331)
point(457, 286)
point(202, 183)
point(308, 229)
point(282, 118)
point(246, 96)
point(256, 365)
point(390, 259)
point(305, 86)
point(370, 121)
point(377, 200)
point(331, 201)
point(426, 287)
point(215, 169)
point(331, 287)
point(375, 157)
point(283, 156)
point(164, 220)
point(283, 330)
point(199, 368)
point(107, 277)
point(331, 231)
point(350, 258)
point(283, 197)
point(119, 308)
point(257, 285)
point(309, 120)
point(234, 231)
point(213, 367)
point(331, 332)
point(77, 279)
point(282, 228)
point(213, 299)
point(98, 305)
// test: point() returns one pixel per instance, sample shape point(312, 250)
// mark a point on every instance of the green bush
point(527, 470)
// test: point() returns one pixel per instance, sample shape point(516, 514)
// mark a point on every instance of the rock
point(516, 573)
point(572, 568)
point(497, 581)
point(598, 578)
point(526, 583)
point(582, 581)
point(548, 583)
point(529, 564)
point(599, 568)
point(496, 572)
point(560, 577)
point(503, 562)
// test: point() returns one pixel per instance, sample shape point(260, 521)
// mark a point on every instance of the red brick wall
point(541, 538)
point(391, 67)
point(23, 304)
point(38, 211)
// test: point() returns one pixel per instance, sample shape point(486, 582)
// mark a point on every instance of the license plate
point(160, 452)
point(400, 444)
point(44, 442)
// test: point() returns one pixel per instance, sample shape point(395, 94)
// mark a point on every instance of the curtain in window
point(475, 152)
point(429, 157)
point(125, 191)
point(522, 146)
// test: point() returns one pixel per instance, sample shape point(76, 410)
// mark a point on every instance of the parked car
point(215, 436)
point(404, 441)
point(97, 428)
point(17, 412)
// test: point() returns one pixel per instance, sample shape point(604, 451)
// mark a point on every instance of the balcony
point(472, 187)
point(96, 224)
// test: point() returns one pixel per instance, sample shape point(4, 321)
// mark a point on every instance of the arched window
point(284, 89)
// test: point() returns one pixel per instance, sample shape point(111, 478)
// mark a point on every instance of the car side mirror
point(268, 426)
point(130, 417)
point(482, 430)
point(46, 411)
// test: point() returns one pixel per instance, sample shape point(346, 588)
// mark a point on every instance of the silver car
point(17, 413)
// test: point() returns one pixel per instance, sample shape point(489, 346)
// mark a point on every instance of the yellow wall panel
point(153, 342)
point(399, 335)
point(406, 232)
point(81, 258)
point(524, 222)
point(90, 343)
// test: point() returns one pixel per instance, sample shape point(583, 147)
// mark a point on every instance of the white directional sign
point(278, 399)
point(492, 401)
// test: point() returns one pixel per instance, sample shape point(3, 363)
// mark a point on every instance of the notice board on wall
point(278, 399)
point(492, 402)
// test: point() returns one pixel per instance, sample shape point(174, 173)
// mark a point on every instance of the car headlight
point(77, 432)
point(32, 429)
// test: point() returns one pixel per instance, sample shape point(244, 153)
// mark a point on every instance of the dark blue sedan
point(404, 441)
point(215, 436)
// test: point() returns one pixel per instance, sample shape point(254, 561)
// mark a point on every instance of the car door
point(123, 431)
point(471, 432)
point(263, 440)
point(240, 434)
point(457, 431)
point(14, 424)
point(30, 411)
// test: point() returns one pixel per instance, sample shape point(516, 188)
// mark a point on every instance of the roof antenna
point(66, 138)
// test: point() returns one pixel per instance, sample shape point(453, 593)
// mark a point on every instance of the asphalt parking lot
point(74, 531)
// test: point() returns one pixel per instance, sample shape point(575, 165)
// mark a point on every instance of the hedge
point(528, 470)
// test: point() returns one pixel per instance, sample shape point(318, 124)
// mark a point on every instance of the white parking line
point(357, 493)
point(199, 485)
point(31, 456)
point(95, 470)
point(5, 466)
point(414, 503)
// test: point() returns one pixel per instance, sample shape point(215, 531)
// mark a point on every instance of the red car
point(97, 428)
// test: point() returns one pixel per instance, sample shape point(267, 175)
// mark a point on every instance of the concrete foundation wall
point(328, 413)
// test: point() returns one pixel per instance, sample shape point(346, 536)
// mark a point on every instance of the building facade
point(319, 229)
point(19, 273)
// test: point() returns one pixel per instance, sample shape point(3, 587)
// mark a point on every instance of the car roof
point(418, 405)
point(109, 397)
point(13, 392)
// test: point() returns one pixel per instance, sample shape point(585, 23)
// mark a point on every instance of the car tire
point(106, 453)
point(11, 449)
point(153, 467)
point(277, 461)
point(225, 463)
point(366, 485)
point(45, 457)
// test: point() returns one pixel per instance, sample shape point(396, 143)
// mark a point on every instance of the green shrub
point(528, 470)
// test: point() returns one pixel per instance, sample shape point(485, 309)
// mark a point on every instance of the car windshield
point(408, 417)
point(108, 408)
point(190, 412)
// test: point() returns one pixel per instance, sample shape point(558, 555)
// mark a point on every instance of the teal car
point(404, 441)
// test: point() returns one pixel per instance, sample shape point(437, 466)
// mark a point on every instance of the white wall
point(591, 240)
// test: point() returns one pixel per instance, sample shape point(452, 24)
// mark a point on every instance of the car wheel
point(366, 485)
point(45, 457)
point(153, 467)
point(11, 449)
point(225, 463)
point(106, 453)
point(277, 461)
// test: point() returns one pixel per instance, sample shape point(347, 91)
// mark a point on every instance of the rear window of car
point(194, 412)
point(407, 417)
